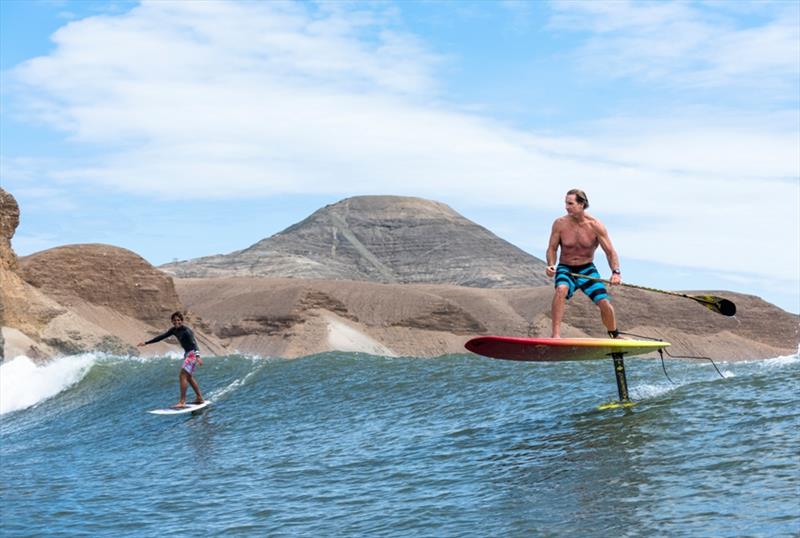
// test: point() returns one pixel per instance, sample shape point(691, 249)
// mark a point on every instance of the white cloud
point(687, 44)
point(205, 99)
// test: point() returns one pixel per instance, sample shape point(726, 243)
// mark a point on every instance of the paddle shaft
point(578, 275)
point(717, 304)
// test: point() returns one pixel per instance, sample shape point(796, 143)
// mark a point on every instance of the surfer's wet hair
point(580, 197)
point(176, 315)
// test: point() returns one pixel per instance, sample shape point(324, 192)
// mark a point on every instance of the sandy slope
point(293, 317)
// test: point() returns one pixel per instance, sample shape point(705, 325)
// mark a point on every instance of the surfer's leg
point(607, 315)
point(184, 382)
point(557, 309)
point(196, 389)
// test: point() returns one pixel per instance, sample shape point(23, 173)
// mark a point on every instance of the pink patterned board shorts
point(190, 361)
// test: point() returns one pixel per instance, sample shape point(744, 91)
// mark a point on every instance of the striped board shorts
point(190, 361)
point(595, 290)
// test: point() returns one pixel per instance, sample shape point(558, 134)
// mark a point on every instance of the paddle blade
point(717, 304)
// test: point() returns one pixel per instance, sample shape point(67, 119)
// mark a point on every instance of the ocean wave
point(24, 384)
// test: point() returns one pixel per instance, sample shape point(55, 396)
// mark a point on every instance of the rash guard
point(184, 335)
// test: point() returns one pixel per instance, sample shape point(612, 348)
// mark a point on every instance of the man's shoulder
point(560, 222)
point(594, 222)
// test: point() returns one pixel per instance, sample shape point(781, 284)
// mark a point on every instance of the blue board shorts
point(594, 289)
point(190, 361)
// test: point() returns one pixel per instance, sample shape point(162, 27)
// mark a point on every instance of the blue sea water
point(343, 444)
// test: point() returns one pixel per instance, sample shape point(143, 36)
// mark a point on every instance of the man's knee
point(562, 292)
point(605, 304)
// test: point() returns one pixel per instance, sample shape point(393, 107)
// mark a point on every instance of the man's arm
point(552, 249)
point(611, 254)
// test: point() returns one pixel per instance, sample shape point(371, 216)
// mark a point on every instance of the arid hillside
point(294, 317)
point(92, 297)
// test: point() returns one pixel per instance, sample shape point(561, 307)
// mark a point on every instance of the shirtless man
point(579, 234)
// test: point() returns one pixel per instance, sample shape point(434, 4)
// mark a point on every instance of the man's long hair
point(580, 197)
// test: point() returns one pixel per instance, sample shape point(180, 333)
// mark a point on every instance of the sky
point(189, 128)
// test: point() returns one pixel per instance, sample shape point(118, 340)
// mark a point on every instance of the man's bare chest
point(578, 236)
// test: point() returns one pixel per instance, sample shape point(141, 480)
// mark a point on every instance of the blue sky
point(184, 129)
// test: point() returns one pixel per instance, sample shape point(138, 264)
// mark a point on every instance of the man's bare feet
point(180, 405)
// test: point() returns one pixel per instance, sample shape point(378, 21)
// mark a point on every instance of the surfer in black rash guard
point(191, 357)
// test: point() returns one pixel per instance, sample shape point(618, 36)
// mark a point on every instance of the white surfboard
point(190, 408)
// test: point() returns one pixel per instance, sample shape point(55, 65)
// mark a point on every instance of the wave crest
point(23, 383)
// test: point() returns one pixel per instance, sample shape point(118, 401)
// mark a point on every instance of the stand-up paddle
point(713, 303)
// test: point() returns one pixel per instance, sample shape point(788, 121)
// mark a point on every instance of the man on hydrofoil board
point(578, 235)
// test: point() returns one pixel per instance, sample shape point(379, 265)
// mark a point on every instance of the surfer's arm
point(611, 253)
point(552, 249)
point(159, 338)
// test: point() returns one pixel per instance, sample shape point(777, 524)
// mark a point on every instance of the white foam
point(782, 361)
point(219, 394)
point(252, 357)
point(774, 362)
point(24, 384)
point(650, 391)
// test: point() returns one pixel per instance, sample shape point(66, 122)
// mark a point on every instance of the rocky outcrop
point(81, 298)
point(109, 298)
point(106, 276)
point(387, 239)
point(9, 220)
point(24, 311)
point(292, 317)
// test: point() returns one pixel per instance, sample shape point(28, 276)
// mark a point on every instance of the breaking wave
point(23, 383)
